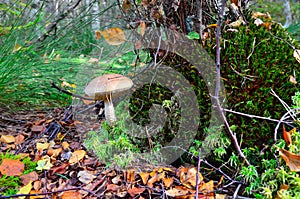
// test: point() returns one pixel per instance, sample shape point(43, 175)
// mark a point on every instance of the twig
point(218, 83)
point(284, 117)
point(197, 175)
point(255, 116)
point(285, 105)
point(236, 191)
point(53, 85)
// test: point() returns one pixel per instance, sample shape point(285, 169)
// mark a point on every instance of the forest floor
point(65, 169)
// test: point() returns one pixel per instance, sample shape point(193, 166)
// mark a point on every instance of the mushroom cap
point(108, 86)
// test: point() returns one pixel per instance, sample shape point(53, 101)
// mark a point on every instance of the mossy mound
point(255, 61)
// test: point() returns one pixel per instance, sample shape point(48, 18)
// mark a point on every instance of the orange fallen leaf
point(126, 6)
point(77, 156)
point(287, 135)
point(168, 182)
point(292, 160)
point(135, 191)
point(11, 167)
point(71, 195)
point(112, 187)
point(98, 34)
point(145, 177)
point(19, 138)
point(130, 175)
point(114, 36)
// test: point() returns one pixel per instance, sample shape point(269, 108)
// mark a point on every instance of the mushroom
point(106, 88)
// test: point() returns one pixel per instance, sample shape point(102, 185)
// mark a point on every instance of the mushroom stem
point(109, 112)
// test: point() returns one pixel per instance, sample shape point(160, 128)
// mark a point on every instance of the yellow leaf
point(44, 164)
point(237, 23)
point(114, 36)
point(25, 190)
point(77, 156)
point(7, 139)
point(17, 47)
point(297, 55)
point(42, 146)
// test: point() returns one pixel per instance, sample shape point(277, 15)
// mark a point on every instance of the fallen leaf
point(25, 190)
point(287, 135)
point(7, 139)
point(17, 47)
point(54, 152)
point(126, 6)
point(207, 188)
point(293, 80)
point(19, 139)
point(292, 160)
point(296, 54)
point(65, 145)
point(30, 177)
point(168, 182)
point(12, 167)
point(37, 128)
point(98, 34)
point(112, 187)
point(177, 191)
point(42, 146)
point(77, 156)
point(114, 36)
point(135, 191)
point(237, 23)
point(85, 177)
point(44, 164)
point(71, 195)
point(144, 176)
point(130, 175)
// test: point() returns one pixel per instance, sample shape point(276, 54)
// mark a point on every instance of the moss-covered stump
point(254, 61)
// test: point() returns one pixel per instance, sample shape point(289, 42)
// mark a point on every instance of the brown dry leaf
point(287, 135)
point(296, 54)
point(135, 191)
point(293, 80)
point(12, 167)
point(19, 139)
point(292, 160)
point(207, 188)
point(54, 152)
point(71, 195)
point(112, 187)
point(130, 175)
point(37, 128)
point(30, 177)
point(283, 187)
point(152, 180)
point(126, 6)
point(237, 23)
point(85, 177)
point(8, 139)
point(114, 36)
point(144, 176)
point(77, 156)
point(256, 15)
point(177, 191)
point(117, 179)
point(25, 190)
point(59, 169)
point(97, 34)
point(37, 185)
point(65, 145)
point(142, 28)
point(168, 182)
point(36, 192)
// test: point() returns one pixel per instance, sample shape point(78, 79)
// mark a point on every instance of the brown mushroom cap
point(108, 85)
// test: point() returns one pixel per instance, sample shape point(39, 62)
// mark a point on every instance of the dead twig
point(218, 85)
